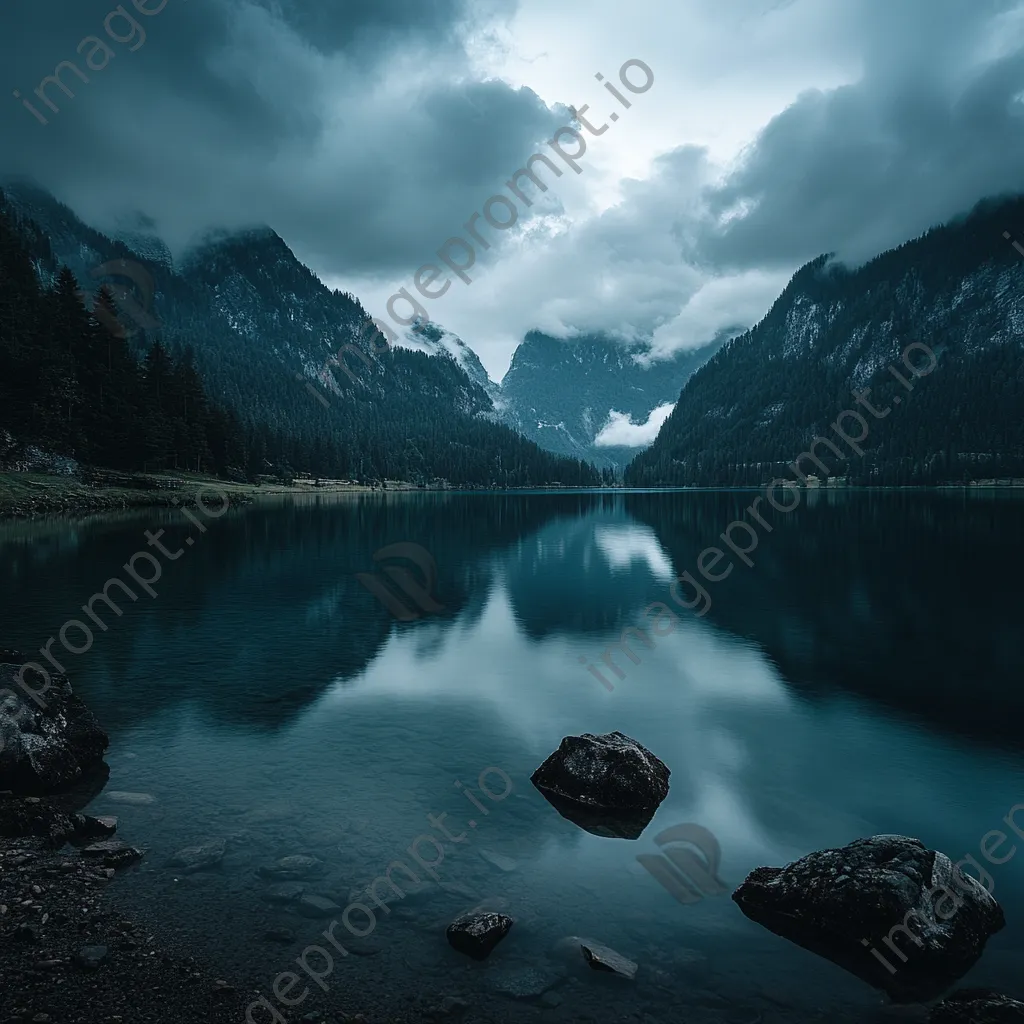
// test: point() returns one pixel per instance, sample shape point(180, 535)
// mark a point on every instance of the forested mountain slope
point(259, 328)
point(959, 289)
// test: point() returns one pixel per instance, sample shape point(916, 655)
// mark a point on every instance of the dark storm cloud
point(354, 24)
point(930, 128)
point(354, 129)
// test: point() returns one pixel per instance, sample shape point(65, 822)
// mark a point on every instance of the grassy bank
point(28, 495)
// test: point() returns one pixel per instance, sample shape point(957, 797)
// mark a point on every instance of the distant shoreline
point(34, 495)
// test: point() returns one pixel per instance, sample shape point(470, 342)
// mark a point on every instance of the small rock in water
point(608, 785)
point(476, 935)
point(284, 892)
point(316, 906)
point(196, 858)
point(282, 935)
point(292, 868)
point(977, 1006)
point(91, 957)
point(453, 1005)
point(120, 796)
point(499, 860)
point(602, 958)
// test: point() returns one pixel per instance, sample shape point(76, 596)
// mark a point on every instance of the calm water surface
point(864, 676)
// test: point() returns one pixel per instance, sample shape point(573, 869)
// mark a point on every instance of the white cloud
point(620, 430)
point(733, 301)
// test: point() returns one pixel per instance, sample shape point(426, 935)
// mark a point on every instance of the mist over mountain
point(567, 394)
point(591, 397)
point(264, 334)
point(761, 401)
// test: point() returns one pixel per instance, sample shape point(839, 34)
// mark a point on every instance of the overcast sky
point(367, 133)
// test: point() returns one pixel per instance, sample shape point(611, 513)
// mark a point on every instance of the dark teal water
point(862, 676)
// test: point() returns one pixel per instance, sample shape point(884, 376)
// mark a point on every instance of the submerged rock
point(499, 860)
point(316, 906)
point(49, 742)
point(609, 785)
point(897, 915)
point(603, 958)
point(476, 935)
point(284, 892)
point(977, 1006)
point(196, 858)
point(120, 796)
point(292, 868)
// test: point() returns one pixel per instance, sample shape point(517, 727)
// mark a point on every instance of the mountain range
point(265, 332)
point(261, 329)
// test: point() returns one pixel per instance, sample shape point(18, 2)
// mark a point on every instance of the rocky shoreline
point(64, 957)
point(67, 958)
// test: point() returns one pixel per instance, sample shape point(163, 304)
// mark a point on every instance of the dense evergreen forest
point(72, 382)
point(749, 412)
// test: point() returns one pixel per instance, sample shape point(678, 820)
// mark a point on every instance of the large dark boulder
point(49, 744)
point(977, 1006)
point(899, 916)
point(610, 785)
point(476, 934)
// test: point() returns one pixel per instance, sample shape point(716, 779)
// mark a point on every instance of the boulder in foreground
point(897, 915)
point(476, 935)
point(609, 785)
point(977, 1006)
point(48, 744)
